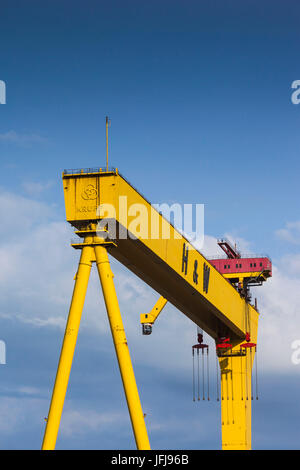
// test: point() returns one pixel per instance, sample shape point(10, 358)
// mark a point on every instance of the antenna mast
point(107, 124)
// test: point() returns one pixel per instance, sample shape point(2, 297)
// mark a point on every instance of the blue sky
point(199, 96)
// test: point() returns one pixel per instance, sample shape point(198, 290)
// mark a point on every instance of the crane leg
point(68, 348)
point(121, 347)
point(236, 400)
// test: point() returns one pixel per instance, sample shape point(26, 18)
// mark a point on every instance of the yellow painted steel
point(237, 394)
point(242, 276)
point(121, 347)
point(92, 250)
point(156, 257)
point(156, 310)
point(68, 348)
point(157, 253)
point(106, 125)
point(235, 402)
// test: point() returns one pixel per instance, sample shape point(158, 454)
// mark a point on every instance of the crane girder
point(171, 265)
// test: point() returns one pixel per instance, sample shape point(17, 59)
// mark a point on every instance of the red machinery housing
point(242, 271)
point(243, 265)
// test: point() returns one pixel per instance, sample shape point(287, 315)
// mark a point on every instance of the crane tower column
point(68, 347)
point(236, 396)
point(121, 347)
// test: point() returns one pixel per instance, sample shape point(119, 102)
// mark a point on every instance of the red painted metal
point(248, 343)
point(200, 344)
point(229, 250)
point(224, 344)
point(243, 265)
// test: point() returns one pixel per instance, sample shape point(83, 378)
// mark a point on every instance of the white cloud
point(19, 214)
point(279, 323)
point(243, 246)
point(33, 188)
point(25, 390)
point(28, 413)
point(83, 421)
point(210, 247)
point(36, 283)
point(278, 302)
point(291, 233)
point(16, 413)
point(36, 261)
point(22, 140)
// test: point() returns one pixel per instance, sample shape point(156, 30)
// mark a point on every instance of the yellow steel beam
point(68, 348)
point(236, 402)
point(245, 275)
point(121, 347)
point(93, 250)
point(236, 397)
point(168, 262)
point(158, 260)
point(154, 312)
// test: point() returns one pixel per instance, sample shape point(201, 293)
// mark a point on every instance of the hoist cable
point(217, 378)
point(207, 367)
point(193, 354)
point(256, 383)
point(198, 374)
point(203, 380)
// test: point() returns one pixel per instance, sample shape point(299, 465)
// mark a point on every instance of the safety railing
point(243, 255)
point(79, 171)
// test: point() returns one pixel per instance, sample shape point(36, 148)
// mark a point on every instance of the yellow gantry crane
point(97, 205)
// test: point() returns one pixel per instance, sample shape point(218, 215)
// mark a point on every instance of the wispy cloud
point(34, 188)
point(16, 411)
point(42, 299)
point(36, 288)
point(244, 246)
point(22, 139)
point(290, 233)
point(81, 422)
